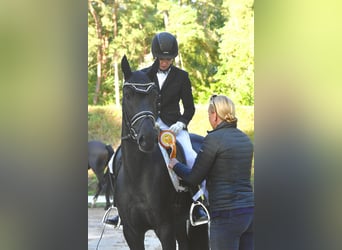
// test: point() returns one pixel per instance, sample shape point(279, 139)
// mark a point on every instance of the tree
point(99, 23)
point(197, 42)
point(236, 51)
point(215, 39)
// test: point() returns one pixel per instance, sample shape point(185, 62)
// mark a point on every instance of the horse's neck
point(132, 157)
point(131, 150)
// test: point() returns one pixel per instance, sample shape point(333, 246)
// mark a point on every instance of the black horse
point(144, 194)
point(99, 155)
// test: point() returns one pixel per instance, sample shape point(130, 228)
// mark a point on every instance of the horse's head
point(139, 106)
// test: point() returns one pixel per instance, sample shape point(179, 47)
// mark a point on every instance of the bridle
point(133, 132)
point(132, 123)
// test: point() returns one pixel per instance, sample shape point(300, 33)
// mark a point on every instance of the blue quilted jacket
point(225, 161)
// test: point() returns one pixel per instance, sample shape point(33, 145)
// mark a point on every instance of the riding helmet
point(164, 46)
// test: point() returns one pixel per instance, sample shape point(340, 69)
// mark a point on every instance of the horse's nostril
point(142, 141)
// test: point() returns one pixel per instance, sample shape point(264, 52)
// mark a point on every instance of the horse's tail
point(110, 151)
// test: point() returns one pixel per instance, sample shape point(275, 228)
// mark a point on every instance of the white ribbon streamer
point(173, 176)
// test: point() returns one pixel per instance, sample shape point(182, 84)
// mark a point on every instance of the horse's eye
point(128, 93)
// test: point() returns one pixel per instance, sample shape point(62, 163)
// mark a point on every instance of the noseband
point(133, 132)
point(144, 88)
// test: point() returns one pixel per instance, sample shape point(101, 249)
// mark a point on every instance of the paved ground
point(112, 238)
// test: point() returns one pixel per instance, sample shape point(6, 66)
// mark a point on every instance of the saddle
point(171, 148)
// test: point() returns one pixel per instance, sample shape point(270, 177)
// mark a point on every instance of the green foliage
point(92, 183)
point(137, 24)
point(235, 76)
point(197, 47)
point(215, 40)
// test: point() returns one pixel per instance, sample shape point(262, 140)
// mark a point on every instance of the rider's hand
point(177, 127)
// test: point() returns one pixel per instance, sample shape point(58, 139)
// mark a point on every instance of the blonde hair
point(224, 107)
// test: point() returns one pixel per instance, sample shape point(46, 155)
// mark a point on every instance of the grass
point(104, 124)
point(92, 183)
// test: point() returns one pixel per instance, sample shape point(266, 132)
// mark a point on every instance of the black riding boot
point(115, 221)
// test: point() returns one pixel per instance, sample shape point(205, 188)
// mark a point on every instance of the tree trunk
point(98, 79)
point(166, 19)
point(115, 56)
point(116, 83)
point(99, 52)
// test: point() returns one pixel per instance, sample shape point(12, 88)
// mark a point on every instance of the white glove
point(157, 127)
point(177, 127)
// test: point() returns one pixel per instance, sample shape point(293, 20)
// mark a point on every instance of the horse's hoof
point(93, 203)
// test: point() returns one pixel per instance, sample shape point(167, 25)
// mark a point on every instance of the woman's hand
point(172, 163)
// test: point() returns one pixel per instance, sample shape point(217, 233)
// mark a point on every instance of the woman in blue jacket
point(225, 162)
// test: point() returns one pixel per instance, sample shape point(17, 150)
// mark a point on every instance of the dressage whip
point(106, 215)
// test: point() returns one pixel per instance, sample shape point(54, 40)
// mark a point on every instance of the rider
point(174, 86)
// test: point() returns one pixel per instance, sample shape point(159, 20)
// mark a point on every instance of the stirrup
point(106, 215)
point(197, 223)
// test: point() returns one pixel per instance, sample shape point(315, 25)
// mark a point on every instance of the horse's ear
point(153, 70)
point(126, 69)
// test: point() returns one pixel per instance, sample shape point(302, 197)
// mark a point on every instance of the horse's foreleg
point(199, 238)
point(181, 234)
point(135, 239)
point(167, 237)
